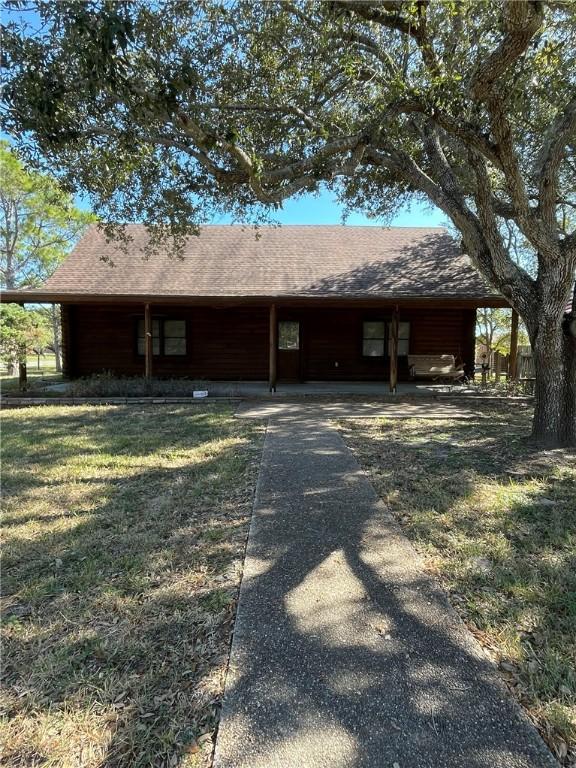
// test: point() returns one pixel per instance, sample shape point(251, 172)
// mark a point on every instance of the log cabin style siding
point(290, 303)
point(232, 343)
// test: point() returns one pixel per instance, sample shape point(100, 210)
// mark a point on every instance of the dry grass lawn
point(124, 534)
point(496, 523)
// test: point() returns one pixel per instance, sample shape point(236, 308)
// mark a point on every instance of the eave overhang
point(42, 296)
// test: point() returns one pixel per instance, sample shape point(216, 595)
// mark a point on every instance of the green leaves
point(21, 331)
point(111, 95)
point(38, 223)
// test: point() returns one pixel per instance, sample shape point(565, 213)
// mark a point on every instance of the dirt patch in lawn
point(124, 536)
point(496, 522)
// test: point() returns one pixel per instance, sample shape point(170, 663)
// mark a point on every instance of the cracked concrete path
point(345, 652)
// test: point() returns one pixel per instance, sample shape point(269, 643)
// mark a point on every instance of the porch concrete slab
point(345, 652)
point(298, 410)
point(335, 388)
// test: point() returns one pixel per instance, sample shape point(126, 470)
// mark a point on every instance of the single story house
point(290, 303)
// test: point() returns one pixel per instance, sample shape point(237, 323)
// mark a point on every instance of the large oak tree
point(168, 111)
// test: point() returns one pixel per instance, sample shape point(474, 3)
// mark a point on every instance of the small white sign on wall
point(200, 393)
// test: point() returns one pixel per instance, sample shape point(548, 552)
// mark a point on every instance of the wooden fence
point(500, 364)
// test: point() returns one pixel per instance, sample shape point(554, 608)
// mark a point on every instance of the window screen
point(373, 337)
point(174, 337)
point(167, 335)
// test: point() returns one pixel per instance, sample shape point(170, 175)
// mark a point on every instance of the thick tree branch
point(561, 131)
point(480, 239)
point(513, 281)
point(522, 20)
point(442, 172)
point(388, 13)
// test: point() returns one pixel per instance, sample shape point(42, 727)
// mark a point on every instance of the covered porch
point(246, 348)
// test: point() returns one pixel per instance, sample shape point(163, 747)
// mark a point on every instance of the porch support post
point(513, 361)
point(148, 340)
point(273, 352)
point(394, 350)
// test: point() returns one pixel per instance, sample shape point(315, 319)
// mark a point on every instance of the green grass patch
point(124, 535)
point(40, 374)
point(496, 522)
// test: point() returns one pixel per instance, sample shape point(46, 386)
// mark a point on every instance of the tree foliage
point(38, 223)
point(469, 104)
point(22, 331)
point(170, 112)
point(493, 330)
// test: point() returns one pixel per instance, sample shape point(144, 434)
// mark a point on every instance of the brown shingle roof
point(295, 261)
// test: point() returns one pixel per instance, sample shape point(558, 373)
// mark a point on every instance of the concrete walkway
point(345, 653)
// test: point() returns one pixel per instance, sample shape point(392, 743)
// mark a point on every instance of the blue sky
point(325, 210)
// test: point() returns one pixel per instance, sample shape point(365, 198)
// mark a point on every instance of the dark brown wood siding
point(220, 343)
point(332, 340)
point(233, 343)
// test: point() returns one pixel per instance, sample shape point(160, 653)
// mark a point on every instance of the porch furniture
point(435, 367)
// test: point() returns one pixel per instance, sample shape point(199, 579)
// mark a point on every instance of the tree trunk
point(555, 393)
point(55, 315)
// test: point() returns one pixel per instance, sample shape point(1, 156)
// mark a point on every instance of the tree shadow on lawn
point(119, 609)
point(373, 670)
point(31, 451)
point(496, 519)
point(129, 649)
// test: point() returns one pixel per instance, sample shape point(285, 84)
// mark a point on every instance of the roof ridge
point(289, 226)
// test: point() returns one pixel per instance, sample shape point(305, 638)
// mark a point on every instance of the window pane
point(403, 338)
point(288, 334)
point(141, 346)
point(373, 330)
point(373, 348)
point(175, 329)
point(403, 346)
point(403, 330)
point(174, 346)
